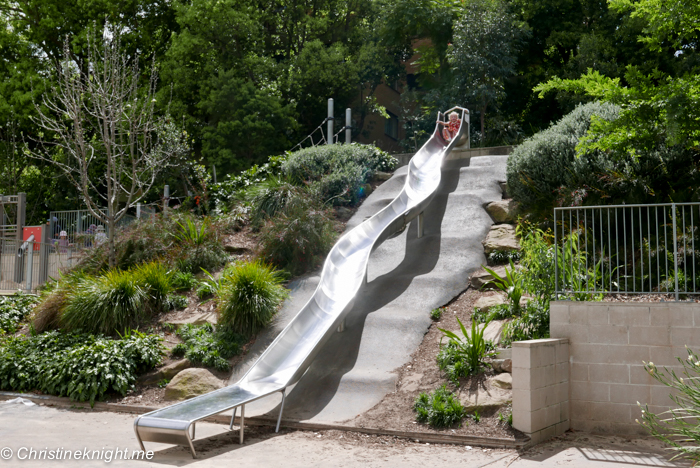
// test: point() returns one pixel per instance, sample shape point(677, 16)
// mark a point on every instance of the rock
point(343, 212)
point(504, 381)
point(485, 303)
point(484, 398)
point(366, 190)
point(167, 372)
point(482, 277)
point(190, 383)
point(199, 319)
point(494, 331)
point(381, 176)
point(236, 250)
point(501, 237)
point(502, 365)
point(503, 211)
point(410, 383)
point(504, 188)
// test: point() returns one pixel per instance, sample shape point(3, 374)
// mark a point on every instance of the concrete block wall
point(541, 388)
point(608, 342)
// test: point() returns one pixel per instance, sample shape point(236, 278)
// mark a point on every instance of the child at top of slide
point(451, 126)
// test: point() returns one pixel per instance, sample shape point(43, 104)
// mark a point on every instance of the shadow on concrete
point(339, 355)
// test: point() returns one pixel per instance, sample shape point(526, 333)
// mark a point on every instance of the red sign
point(36, 230)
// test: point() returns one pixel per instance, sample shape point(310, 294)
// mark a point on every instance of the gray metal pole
point(348, 124)
point(21, 214)
point(166, 198)
point(213, 171)
point(30, 265)
point(329, 125)
point(138, 211)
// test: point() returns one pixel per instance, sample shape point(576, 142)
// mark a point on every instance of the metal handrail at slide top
point(345, 270)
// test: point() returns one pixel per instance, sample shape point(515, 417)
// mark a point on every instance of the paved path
point(40, 428)
point(408, 277)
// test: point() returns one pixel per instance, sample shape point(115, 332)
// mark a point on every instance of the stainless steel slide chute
point(344, 272)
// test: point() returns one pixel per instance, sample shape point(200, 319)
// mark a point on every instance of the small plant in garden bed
point(202, 345)
point(176, 302)
point(678, 427)
point(439, 409)
point(183, 281)
point(503, 257)
point(82, 367)
point(435, 314)
point(14, 309)
point(532, 324)
point(511, 284)
point(464, 356)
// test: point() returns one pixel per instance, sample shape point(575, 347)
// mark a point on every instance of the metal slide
point(344, 272)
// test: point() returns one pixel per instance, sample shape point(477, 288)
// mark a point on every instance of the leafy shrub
point(464, 356)
point(13, 309)
point(202, 345)
point(337, 172)
point(497, 312)
point(226, 192)
point(439, 408)
point(116, 300)
point(175, 301)
point(532, 324)
point(47, 313)
point(183, 281)
point(435, 314)
point(272, 197)
point(80, 366)
point(298, 238)
point(249, 296)
point(511, 284)
point(547, 161)
point(538, 261)
point(503, 257)
point(678, 426)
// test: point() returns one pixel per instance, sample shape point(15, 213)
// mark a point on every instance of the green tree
point(484, 54)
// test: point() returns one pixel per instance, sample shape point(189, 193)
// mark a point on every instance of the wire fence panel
point(82, 228)
point(28, 265)
point(627, 249)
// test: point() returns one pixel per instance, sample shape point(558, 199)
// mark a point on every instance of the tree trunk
point(112, 229)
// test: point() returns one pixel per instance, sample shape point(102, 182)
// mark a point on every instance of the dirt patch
point(421, 374)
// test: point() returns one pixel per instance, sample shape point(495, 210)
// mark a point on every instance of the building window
point(391, 126)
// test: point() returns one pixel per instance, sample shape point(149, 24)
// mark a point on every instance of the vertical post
point(675, 249)
point(348, 126)
point(421, 224)
point(329, 125)
point(30, 265)
point(213, 171)
point(166, 199)
point(21, 214)
point(79, 224)
point(138, 210)
point(556, 263)
point(44, 255)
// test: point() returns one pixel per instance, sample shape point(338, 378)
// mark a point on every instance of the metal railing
point(627, 249)
point(26, 265)
point(81, 226)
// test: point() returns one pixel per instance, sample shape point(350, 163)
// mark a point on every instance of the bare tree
point(105, 134)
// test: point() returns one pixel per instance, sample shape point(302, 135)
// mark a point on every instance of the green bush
point(79, 366)
point(439, 408)
point(203, 345)
point(543, 164)
point(228, 191)
point(538, 261)
point(511, 284)
point(532, 324)
point(182, 281)
point(503, 257)
point(14, 309)
point(272, 197)
point(249, 296)
point(435, 314)
point(464, 356)
point(116, 300)
point(299, 237)
point(337, 172)
point(176, 302)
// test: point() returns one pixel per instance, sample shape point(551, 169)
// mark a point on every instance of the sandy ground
point(40, 428)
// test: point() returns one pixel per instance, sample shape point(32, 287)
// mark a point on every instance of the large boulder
point(503, 211)
point(197, 319)
point(164, 373)
point(501, 237)
point(191, 383)
point(484, 399)
point(504, 381)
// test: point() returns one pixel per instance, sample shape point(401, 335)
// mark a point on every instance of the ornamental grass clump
point(249, 295)
point(678, 427)
point(439, 408)
point(117, 300)
point(464, 356)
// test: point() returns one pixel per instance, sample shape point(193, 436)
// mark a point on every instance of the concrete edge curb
point(48, 400)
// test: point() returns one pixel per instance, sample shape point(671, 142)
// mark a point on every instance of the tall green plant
point(678, 427)
point(248, 296)
point(511, 284)
point(464, 356)
point(439, 408)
